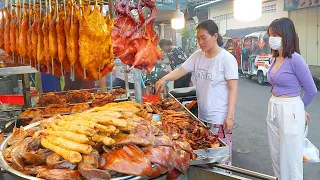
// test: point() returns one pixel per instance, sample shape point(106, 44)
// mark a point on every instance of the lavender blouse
point(288, 79)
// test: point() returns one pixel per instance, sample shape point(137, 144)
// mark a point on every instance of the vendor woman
point(216, 81)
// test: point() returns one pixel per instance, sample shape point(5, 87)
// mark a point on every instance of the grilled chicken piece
point(102, 102)
point(13, 30)
point(61, 39)
point(76, 97)
point(6, 38)
point(57, 109)
point(31, 113)
point(34, 35)
point(67, 24)
point(80, 107)
point(49, 98)
point(53, 44)
point(23, 40)
point(2, 24)
point(73, 54)
point(45, 31)
point(29, 40)
point(40, 46)
point(18, 23)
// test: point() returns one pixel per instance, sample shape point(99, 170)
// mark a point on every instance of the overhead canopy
point(167, 7)
point(171, 4)
point(240, 33)
point(208, 4)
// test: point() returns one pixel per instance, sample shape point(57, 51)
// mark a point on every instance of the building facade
point(307, 21)
point(222, 13)
point(305, 16)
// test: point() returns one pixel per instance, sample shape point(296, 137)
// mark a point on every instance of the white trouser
point(286, 125)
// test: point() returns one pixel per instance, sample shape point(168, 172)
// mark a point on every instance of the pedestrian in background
point(176, 57)
point(286, 118)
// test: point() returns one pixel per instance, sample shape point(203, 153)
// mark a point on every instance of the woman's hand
point(228, 124)
point(308, 118)
point(159, 86)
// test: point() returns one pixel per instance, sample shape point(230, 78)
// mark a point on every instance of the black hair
point(212, 29)
point(165, 42)
point(284, 28)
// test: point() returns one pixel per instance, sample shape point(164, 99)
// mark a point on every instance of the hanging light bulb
point(247, 10)
point(177, 19)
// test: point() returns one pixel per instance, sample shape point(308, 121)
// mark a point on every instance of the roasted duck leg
point(34, 34)
point(23, 40)
point(6, 38)
point(53, 44)
point(73, 54)
point(40, 45)
point(13, 30)
point(61, 39)
point(2, 24)
point(18, 25)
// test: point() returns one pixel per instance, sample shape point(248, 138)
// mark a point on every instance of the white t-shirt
point(120, 73)
point(211, 85)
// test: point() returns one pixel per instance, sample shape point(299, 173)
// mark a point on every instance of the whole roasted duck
point(135, 41)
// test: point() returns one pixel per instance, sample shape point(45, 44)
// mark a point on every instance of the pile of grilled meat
point(113, 140)
point(74, 101)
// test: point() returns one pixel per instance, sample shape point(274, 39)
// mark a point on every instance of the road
point(250, 137)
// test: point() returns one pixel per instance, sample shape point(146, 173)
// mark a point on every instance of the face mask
point(275, 43)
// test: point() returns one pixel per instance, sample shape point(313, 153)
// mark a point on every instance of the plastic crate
point(12, 99)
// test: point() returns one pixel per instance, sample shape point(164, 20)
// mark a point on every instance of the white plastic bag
point(310, 152)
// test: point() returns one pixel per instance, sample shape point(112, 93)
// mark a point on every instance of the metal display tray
point(118, 98)
point(7, 168)
point(210, 155)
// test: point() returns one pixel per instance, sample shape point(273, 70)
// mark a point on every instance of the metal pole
point(137, 85)
point(110, 9)
point(39, 82)
point(26, 90)
point(111, 83)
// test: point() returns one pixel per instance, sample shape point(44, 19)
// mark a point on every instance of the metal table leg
point(26, 90)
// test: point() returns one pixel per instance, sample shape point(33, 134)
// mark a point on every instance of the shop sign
point(290, 5)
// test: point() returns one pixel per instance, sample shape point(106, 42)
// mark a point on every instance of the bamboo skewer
point(84, 69)
point(39, 25)
point(46, 4)
point(18, 7)
point(72, 66)
point(52, 60)
point(30, 23)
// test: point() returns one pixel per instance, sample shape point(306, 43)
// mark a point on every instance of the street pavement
point(250, 139)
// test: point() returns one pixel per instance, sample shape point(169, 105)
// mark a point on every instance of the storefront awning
point(207, 5)
point(171, 4)
point(240, 33)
